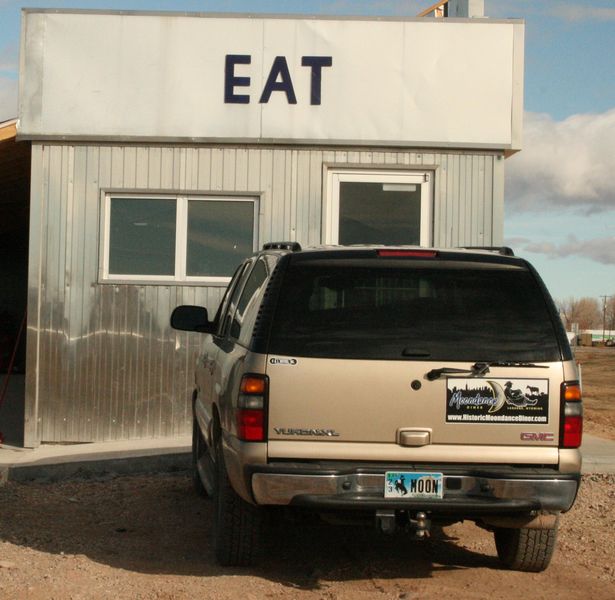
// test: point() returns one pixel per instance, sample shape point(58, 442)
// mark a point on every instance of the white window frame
point(181, 238)
point(336, 176)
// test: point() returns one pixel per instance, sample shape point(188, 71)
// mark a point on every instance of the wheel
point(525, 549)
point(237, 523)
point(198, 450)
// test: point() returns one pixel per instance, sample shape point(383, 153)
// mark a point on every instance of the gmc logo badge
point(526, 436)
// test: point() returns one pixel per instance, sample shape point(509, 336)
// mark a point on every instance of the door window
point(378, 207)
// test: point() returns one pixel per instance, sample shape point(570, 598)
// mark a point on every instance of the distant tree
point(587, 312)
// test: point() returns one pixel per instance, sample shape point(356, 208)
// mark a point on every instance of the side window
point(229, 301)
point(176, 238)
point(243, 319)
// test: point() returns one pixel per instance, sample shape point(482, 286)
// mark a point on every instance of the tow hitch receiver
point(388, 521)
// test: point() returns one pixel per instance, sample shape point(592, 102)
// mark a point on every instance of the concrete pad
point(598, 455)
point(54, 462)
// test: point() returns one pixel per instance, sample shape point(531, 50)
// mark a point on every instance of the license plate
point(413, 485)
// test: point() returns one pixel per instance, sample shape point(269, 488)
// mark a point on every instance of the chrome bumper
point(461, 492)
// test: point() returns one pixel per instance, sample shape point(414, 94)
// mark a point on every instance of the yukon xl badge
point(307, 432)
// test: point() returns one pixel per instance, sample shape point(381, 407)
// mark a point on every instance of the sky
point(560, 189)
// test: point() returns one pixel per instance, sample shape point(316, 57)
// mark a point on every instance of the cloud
point(8, 98)
point(600, 250)
point(565, 164)
point(382, 7)
point(575, 12)
point(563, 11)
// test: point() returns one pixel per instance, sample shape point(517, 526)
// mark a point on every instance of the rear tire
point(237, 523)
point(199, 449)
point(525, 549)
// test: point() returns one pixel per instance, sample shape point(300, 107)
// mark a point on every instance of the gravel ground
point(148, 537)
point(143, 537)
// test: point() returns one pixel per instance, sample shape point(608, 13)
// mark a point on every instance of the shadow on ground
point(157, 524)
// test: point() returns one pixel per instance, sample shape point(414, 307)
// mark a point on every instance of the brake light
point(414, 253)
point(250, 425)
point(571, 429)
point(251, 408)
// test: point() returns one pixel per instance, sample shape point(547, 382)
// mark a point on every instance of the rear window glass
point(406, 313)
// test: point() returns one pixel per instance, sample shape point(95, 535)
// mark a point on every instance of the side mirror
point(191, 318)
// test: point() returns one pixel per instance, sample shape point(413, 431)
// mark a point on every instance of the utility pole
point(604, 299)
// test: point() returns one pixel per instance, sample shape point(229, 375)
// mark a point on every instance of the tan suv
point(408, 385)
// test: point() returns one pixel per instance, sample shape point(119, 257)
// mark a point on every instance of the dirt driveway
point(149, 537)
point(598, 375)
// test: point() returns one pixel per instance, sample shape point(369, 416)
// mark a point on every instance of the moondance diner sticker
point(497, 400)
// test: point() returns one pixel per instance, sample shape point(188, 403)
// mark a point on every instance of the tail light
point(252, 407)
point(571, 429)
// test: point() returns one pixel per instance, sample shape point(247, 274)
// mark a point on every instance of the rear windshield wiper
point(480, 368)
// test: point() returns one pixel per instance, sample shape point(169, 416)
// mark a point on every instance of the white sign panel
point(92, 75)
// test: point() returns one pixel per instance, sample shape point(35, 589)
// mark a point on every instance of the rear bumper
point(469, 494)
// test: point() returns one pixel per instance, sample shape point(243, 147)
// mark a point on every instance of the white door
point(378, 207)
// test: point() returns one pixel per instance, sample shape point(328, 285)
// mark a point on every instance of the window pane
point(376, 213)
point(379, 312)
point(242, 325)
point(220, 236)
point(142, 237)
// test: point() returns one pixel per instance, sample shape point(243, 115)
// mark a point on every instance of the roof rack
point(504, 250)
point(292, 246)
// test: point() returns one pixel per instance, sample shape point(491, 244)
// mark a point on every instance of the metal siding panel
point(266, 186)
point(457, 190)
point(180, 172)
point(253, 173)
point(73, 282)
point(229, 166)
point(217, 169)
point(317, 159)
point(241, 170)
point(191, 181)
point(129, 178)
point(117, 167)
point(479, 193)
point(154, 168)
point(109, 366)
point(204, 169)
point(141, 166)
point(439, 202)
point(303, 196)
point(468, 209)
point(498, 201)
point(279, 210)
point(488, 203)
point(291, 194)
point(36, 248)
point(53, 374)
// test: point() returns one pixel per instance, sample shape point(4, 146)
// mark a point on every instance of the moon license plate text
point(413, 485)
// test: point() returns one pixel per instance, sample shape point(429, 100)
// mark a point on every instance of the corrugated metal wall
point(103, 363)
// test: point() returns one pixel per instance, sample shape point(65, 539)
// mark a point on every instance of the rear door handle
point(413, 437)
